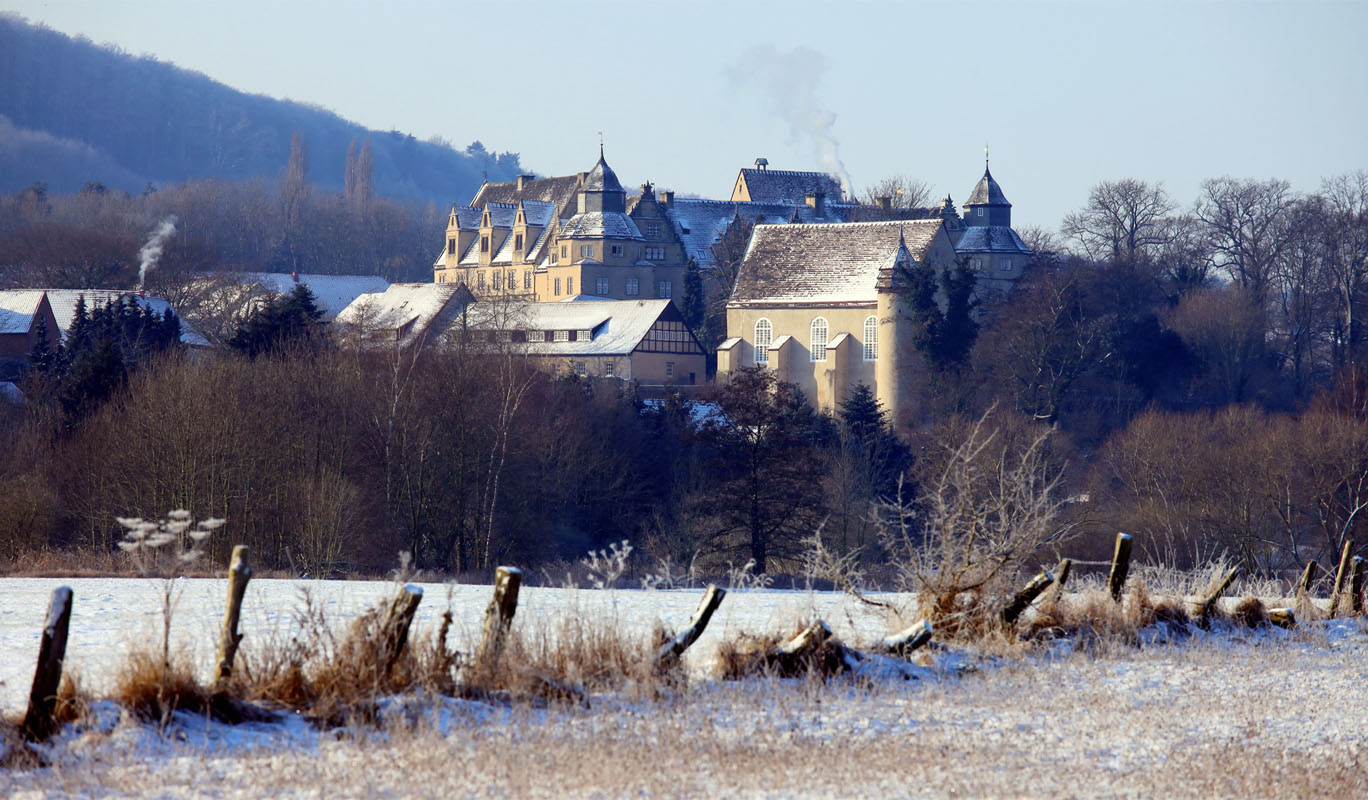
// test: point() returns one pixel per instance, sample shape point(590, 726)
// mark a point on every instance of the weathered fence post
point(675, 648)
point(1204, 606)
point(1308, 577)
point(907, 641)
point(1356, 587)
point(396, 623)
point(1341, 576)
point(1023, 598)
point(1120, 565)
point(499, 613)
point(239, 573)
point(39, 721)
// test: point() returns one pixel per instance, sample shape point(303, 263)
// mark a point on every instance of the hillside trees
point(1124, 220)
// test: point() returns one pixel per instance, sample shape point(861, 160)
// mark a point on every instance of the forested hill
point(73, 112)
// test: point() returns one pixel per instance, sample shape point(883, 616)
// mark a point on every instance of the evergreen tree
point(43, 356)
point(286, 321)
point(944, 336)
point(693, 305)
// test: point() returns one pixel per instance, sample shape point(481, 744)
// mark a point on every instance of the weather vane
point(600, 133)
point(985, 155)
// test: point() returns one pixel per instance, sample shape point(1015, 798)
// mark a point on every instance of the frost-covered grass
point(1222, 713)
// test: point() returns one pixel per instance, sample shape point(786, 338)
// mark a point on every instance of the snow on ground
point(112, 615)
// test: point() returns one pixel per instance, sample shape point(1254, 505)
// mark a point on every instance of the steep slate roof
point(780, 185)
point(414, 308)
point(64, 302)
point(602, 178)
point(467, 217)
point(827, 264)
point(617, 326)
point(990, 239)
point(17, 308)
point(559, 191)
point(987, 192)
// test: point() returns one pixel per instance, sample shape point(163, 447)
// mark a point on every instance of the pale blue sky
point(1066, 93)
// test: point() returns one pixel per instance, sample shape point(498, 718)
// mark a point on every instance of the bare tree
point(1346, 234)
point(1249, 228)
point(1124, 220)
point(903, 192)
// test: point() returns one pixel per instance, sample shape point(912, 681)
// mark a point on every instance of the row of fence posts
point(40, 718)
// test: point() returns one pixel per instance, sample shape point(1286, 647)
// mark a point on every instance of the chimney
point(294, 276)
point(817, 202)
point(523, 179)
point(886, 204)
point(667, 198)
point(762, 164)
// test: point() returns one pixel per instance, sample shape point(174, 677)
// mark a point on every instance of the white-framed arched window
point(817, 342)
point(764, 334)
point(871, 339)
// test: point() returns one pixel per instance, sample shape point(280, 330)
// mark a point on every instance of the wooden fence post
point(675, 648)
point(1356, 587)
point(907, 641)
point(1120, 565)
point(1308, 577)
point(39, 721)
point(239, 573)
point(499, 613)
point(396, 624)
point(1204, 606)
point(1341, 576)
point(1023, 598)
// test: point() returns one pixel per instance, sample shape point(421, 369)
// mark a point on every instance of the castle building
point(987, 240)
point(559, 238)
point(820, 305)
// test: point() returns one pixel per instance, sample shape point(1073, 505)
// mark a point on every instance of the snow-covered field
point(110, 615)
point(1232, 714)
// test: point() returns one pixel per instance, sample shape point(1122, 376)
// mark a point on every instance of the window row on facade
point(819, 335)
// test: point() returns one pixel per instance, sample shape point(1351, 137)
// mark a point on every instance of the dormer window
point(484, 244)
point(451, 247)
point(517, 242)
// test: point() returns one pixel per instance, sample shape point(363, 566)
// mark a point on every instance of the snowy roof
point(467, 217)
point(501, 215)
point(600, 225)
point(333, 292)
point(617, 326)
point(700, 223)
point(11, 394)
point(779, 185)
point(17, 308)
point(560, 192)
point(990, 239)
point(406, 310)
point(987, 192)
point(828, 264)
point(64, 302)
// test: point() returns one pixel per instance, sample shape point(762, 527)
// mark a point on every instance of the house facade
point(20, 313)
point(820, 305)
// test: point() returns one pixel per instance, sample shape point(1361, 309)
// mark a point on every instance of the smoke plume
point(152, 251)
point(789, 82)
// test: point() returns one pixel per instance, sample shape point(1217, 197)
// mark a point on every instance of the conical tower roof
point(987, 192)
point(602, 178)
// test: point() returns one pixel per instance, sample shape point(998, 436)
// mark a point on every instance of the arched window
point(764, 334)
point(817, 342)
point(871, 339)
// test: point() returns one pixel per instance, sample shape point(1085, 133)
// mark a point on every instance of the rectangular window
point(527, 279)
point(553, 258)
point(570, 285)
point(586, 251)
point(669, 369)
point(653, 229)
point(558, 287)
point(536, 336)
point(655, 254)
point(512, 280)
point(663, 289)
point(601, 286)
point(505, 336)
point(451, 247)
point(484, 244)
point(562, 336)
point(579, 367)
point(978, 212)
point(633, 287)
point(617, 249)
point(498, 280)
point(479, 280)
point(565, 251)
point(517, 242)
point(608, 368)
point(583, 335)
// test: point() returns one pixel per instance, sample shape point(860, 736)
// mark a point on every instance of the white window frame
point(561, 336)
point(633, 287)
point(586, 251)
point(664, 289)
point(617, 249)
point(819, 333)
point(601, 286)
point(764, 336)
point(871, 339)
point(536, 336)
